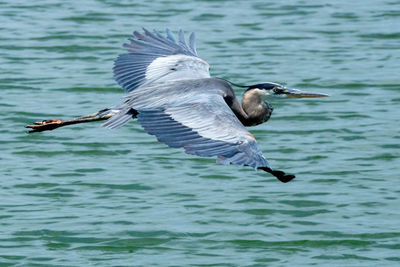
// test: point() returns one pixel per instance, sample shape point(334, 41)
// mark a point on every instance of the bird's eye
point(276, 90)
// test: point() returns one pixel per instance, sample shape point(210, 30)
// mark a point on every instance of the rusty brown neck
point(257, 110)
point(253, 110)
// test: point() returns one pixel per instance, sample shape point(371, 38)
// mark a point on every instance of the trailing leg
point(48, 125)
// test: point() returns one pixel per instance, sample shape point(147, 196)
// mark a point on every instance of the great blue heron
point(173, 97)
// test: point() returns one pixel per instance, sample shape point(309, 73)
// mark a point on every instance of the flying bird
point(172, 95)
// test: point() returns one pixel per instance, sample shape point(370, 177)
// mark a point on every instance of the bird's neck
point(253, 110)
point(258, 111)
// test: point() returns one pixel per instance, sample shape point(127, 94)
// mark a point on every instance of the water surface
point(87, 196)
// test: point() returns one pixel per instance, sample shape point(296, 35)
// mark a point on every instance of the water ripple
point(85, 196)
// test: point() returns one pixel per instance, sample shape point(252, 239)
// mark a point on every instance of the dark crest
point(263, 86)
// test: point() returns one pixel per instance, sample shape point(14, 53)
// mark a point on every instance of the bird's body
point(193, 114)
point(171, 94)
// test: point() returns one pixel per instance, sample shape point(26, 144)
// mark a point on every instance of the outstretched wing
point(153, 57)
point(194, 115)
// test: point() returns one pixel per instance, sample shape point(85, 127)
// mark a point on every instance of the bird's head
point(270, 89)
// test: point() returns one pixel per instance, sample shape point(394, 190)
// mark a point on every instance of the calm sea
point(88, 196)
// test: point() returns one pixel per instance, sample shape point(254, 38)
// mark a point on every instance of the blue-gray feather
point(144, 48)
point(192, 43)
point(194, 143)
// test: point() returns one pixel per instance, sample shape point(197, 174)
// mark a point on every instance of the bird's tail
point(120, 119)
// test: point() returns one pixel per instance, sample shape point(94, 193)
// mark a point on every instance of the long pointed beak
point(295, 93)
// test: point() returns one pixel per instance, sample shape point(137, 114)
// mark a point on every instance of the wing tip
point(280, 175)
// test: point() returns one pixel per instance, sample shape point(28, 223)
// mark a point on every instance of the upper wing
point(153, 57)
point(194, 115)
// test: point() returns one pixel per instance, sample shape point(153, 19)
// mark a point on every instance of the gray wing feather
point(131, 70)
point(241, 151)
point(192, 43)
point(182, 41)
point(170, 36)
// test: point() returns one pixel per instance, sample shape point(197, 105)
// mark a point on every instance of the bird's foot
point(45, 125)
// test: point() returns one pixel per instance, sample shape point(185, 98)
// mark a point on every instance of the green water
point(88, 196)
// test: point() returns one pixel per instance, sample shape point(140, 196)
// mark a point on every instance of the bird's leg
point(48, 125)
